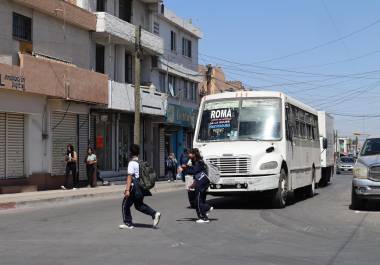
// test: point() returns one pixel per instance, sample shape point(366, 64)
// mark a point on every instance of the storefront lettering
point(15, 82)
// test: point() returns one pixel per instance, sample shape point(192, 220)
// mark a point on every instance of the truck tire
point(281, 193)
point(356, 202)
point(310, 190)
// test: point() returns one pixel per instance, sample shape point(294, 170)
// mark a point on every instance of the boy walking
point(133, 194)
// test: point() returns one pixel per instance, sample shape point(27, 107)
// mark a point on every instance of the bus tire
point(310, 190)
point(281, 193)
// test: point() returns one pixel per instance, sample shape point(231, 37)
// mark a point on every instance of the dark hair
point(196, 153)
point(90, 148)
point(134, 150)
point(185, 150)
point(71, 149)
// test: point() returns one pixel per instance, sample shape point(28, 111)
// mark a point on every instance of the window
point(125, 10)
point(101, 5)
point(156, 28)
point(128, 68)
point(186, 89)
point(173, 41)
point(194, 91)
point(99, 67)
point(22, 27)
point(172, 86)
point(186, 47)
point(162, 82)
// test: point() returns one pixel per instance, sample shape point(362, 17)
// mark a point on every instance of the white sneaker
point(209, 211)
point(169, 180)
point(202, 221)
point(75, 188)
point(63, 187)
point(156, 220)
point(126, 226)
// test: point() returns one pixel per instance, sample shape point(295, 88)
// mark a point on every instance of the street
point(321, 230)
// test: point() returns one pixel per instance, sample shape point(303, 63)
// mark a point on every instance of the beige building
point(215, 81)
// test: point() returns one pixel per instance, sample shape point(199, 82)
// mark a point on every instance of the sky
point(325, 53)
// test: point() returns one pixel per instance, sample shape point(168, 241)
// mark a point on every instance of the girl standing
point(91, 167)
point(71, 166)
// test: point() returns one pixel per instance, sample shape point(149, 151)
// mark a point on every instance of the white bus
point(261, 141)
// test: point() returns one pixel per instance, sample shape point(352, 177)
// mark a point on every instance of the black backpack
point(147, 176)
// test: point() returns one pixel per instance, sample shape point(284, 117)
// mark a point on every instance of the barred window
point(22, 27)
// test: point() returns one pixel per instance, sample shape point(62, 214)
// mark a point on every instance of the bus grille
point(374, 173)
point(232, 165)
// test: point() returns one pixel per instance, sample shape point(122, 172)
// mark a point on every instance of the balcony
point(122, 32)
point(122, 97)
point(64, 11)
point(54, 79)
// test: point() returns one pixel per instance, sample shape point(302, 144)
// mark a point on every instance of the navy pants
point(201, 206)
point(139, 205)
point(71, 167)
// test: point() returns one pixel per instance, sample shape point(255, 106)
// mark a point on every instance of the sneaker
point(63, 187)
point(156, 219)
point(126, 226)
point(202, 221)
point(169, 180)
point(209, 211)
point(75, 188)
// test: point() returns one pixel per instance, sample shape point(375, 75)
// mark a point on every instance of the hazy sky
point(284, 45)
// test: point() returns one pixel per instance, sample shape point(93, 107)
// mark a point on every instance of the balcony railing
point(54, 79)
point(122, 97)
point(122, 32)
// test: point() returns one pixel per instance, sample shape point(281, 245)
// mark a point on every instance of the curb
point(17, 204)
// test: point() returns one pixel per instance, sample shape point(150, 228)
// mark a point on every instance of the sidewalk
point(19, 200)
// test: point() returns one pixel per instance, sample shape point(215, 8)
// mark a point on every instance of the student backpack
point(147, 176)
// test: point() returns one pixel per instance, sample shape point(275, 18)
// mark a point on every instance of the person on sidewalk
point(91, 163)
point(171, 167)
point(133, 194)
point(183, 160)
point(198, 170)
point(71, 166)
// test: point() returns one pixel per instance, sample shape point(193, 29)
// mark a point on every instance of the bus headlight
point(269, 165)
point(360, 171)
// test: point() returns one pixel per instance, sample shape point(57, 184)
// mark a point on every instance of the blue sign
point(181, 115)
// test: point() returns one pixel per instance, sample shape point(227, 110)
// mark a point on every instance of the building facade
point(47, 88)
point(214, 81)
point(175, 73)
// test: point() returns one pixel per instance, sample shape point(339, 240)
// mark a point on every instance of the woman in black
point(201, 183)
point(71, 166)
point(91, 167)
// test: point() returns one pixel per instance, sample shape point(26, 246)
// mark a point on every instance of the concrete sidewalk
point(18, 200)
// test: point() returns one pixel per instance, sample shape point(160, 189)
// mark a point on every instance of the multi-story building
point(214, 81)
point(47, 88)
point(176, 74)
point(115, 42)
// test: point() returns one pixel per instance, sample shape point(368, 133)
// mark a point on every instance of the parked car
point(366, 174)
point(345, 164)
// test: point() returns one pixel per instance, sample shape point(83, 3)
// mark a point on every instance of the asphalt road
point(320, 230)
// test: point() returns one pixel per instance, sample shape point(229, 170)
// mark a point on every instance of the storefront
point(179, 129)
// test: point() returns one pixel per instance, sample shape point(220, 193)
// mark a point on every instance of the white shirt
point(133, 168)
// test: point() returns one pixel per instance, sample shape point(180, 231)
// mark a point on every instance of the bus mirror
point(325, 144)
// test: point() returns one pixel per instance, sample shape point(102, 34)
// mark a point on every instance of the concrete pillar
point(120, 63)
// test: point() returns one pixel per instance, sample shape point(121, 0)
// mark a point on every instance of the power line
point(364, 28)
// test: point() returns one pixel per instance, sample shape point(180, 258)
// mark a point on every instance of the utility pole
point(208, 79)
point(138, 54)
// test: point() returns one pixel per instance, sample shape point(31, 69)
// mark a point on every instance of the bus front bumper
point(245, 184)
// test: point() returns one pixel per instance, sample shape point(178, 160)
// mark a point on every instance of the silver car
point(345, 165)
point(366, 174)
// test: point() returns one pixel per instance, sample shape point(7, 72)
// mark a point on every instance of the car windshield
point(348, 160)
point(246, 119)
point(371, 147)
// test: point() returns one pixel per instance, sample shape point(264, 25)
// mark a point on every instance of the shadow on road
point(187, 219)
point(253, 201)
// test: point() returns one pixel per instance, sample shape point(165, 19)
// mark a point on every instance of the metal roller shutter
point(92, 131)
point(15, 145)
point(162, 151)
point(64, 131)
point(83, 144)
point(2, 145)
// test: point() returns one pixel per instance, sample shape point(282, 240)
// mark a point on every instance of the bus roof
point(260, 94)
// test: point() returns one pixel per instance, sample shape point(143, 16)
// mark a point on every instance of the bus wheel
point(310, 190)
point(281, 194)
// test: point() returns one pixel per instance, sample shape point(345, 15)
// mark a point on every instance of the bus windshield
point(239, 120)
